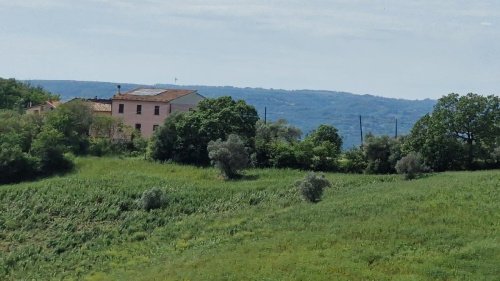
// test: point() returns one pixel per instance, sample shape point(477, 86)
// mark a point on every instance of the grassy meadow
point(87, 225)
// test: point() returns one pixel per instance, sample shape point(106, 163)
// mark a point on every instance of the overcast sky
point(407, 49)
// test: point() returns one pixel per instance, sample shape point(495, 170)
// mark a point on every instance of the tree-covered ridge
point(17, 95)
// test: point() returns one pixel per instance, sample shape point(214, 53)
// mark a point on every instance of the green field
point(87, 226)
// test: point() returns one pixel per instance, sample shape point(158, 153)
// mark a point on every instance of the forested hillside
point(305, 109)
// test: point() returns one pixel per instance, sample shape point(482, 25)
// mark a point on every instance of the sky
point(403, 49)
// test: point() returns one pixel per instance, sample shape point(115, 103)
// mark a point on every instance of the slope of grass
point(88, 226)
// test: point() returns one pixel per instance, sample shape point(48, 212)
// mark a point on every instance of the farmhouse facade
point(145, 109)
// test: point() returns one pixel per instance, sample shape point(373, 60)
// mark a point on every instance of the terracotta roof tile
point(145, 94)
point(101, 107)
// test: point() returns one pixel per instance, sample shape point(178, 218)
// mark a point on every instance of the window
point(155, 127)
point(139, 109)
point(138, 127)
point(157, 110)
point(121, 107)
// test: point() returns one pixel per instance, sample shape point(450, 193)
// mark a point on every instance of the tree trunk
point(470, 157)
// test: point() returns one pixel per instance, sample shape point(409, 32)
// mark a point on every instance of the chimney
point(119, 89)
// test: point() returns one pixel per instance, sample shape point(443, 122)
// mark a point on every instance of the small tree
point(411, 166)
point(229, 156)
point(312, 187)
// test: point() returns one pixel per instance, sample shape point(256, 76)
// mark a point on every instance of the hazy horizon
point(398, 49)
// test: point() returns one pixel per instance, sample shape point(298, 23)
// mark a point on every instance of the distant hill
point(305, 109)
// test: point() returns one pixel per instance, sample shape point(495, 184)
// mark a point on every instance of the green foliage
point(16, 165)
point(326, 133)
point(319, 151)
point(312, 187)
point(73, 120)
point(440, 150)
point(154, 198)
point(282, 154)
point(381, 154)
point(49, 147)
point(165, 140)
point(460, 131)
point(229, 156)
point(185, 138)
point(267, 134)
point(411, 166)
point(28, 149)
point(19, 129)
point(353, 161)
point(100, 146)
point(16, 95)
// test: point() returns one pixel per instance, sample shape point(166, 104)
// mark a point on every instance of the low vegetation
point(312, 187)
point(229, 156)
point(90, 225)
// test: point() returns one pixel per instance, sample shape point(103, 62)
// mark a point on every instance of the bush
point(411, 165)
point(153, 198)
point(312, 186)
point(381, 154)
point(49, 147)
point(229, 156)
point(353, 161)
point(100, 146)
point(16, 165)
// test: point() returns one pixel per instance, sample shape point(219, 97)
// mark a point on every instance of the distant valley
point(305, 109)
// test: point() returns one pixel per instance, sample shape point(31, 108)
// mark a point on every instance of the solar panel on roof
point(147, 92)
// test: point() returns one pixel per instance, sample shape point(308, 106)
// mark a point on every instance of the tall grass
point(88, 225)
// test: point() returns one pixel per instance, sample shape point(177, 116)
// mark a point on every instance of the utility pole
point(396, 135)
point(361, 130)
point(265, 114)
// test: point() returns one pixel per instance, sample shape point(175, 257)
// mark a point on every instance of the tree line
point(462, 132)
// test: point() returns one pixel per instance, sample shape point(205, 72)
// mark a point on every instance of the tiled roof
point(144, 94)
point(101, 107)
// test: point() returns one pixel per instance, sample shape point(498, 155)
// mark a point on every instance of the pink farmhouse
point(146, 109)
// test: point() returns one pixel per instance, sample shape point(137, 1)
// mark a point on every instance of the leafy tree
point(73, 120)
point(109, 127)
point(165, 140)
point(49, 147)
point(16, 95)
point(381, 154)
point(326, 145)
point(16, 165)
point(266, 134)
point(19, 129)
point(439, 148)
point(185, 139)
point(460, 131)
point(472, 119)
point(325, 133)
point(353, 161)
point(229, 156)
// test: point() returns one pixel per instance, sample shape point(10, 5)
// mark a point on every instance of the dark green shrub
point(49, 147)
point(229, 156)
point(353, 161)
point(282, 155)
point(16, 165)
point(381, 154)
point(100, 146)
point(312, 187)
point(153, 198)
point(411, 166)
